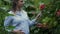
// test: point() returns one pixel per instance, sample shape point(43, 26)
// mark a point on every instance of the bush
point(50, 15)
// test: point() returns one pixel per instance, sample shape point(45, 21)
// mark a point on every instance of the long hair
point(14, 5)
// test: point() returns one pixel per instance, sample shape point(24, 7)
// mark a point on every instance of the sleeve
point(30, 22)
point(7, 22)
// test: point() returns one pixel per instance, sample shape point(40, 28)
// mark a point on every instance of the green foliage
point(48, 17)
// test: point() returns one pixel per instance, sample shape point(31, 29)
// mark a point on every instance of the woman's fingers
point(18, 32)
point(39, 25)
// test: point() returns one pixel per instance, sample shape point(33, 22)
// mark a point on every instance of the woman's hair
point(14, 4)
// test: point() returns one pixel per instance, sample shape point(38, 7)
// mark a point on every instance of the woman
point(20, 19)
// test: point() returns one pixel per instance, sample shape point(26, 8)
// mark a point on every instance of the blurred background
point(49, 11)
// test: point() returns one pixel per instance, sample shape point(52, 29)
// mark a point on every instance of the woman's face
point(20, 3)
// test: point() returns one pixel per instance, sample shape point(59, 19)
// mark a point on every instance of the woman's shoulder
point(9, 14)
point(8, 17)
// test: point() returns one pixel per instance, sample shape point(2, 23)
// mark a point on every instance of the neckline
point(11, 12)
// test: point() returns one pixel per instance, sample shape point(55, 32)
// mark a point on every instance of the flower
point(42, 6)
point(58, 12)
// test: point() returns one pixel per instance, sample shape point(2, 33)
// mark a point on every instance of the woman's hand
point(18, 32)
point(39, 25)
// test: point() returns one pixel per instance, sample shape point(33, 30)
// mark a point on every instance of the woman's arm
point(36, 18)
point(7, 22)
point(30, 22)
